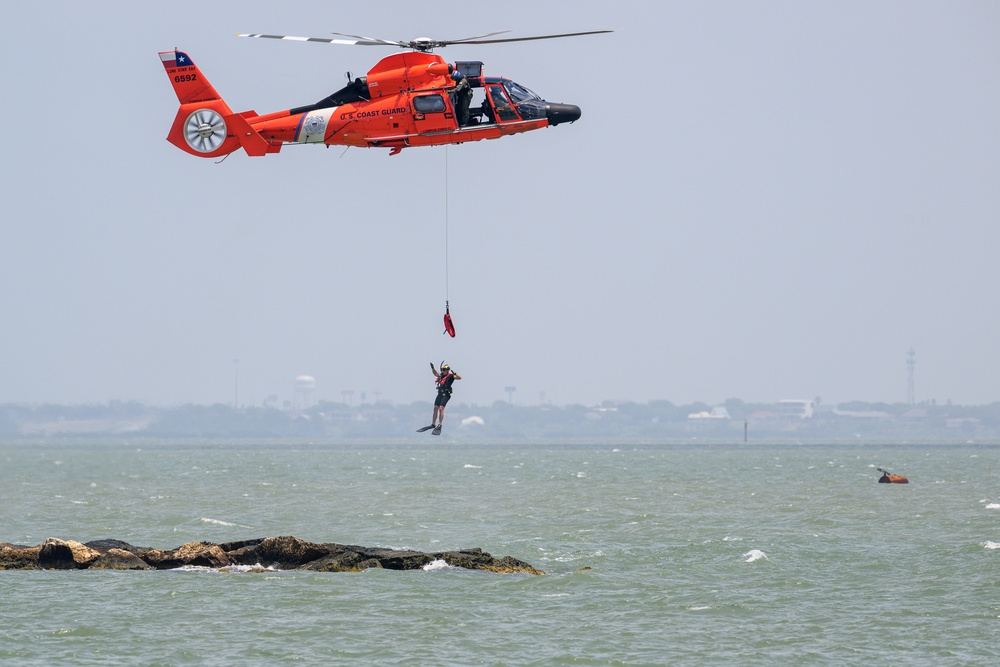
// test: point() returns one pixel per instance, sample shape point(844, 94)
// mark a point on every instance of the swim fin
point(437, 430)
point(426, 428)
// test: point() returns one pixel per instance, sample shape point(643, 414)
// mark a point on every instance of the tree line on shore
point(733, 419)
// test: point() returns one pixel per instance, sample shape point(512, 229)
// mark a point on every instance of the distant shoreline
point(656, 422)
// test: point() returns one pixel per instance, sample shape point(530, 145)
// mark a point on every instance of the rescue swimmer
point(444, 379)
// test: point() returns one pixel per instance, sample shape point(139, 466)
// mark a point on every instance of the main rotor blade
point(423, 43)
point(420, 44)
point(475, 40)
point(466, 39)
point(372, 41)
point(361, 40)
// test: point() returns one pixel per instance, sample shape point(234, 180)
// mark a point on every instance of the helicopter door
point(431, 113)
point(502, 107)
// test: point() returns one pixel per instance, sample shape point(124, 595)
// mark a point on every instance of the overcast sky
point(762, 200)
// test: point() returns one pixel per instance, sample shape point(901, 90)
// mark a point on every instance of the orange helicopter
point(408, 99)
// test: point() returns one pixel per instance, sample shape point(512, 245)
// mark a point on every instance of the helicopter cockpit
point(500, 100)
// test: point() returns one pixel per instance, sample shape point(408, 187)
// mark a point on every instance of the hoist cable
point(446, 285)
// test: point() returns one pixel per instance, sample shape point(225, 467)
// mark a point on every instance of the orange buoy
point(888, 478)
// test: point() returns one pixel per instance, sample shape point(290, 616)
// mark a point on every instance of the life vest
point(444, 382)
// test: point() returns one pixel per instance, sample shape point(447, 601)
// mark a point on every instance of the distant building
point(796, 408)
point(719, 412)
point(964, 423)
point(862, 414)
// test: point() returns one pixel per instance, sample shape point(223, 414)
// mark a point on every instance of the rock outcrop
point(281, 553)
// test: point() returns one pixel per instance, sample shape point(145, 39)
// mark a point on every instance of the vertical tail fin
point(188, 81)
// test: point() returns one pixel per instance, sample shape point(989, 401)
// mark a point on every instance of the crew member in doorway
point(443, 379)
point(461, 97)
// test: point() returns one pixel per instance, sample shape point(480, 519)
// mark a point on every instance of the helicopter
point(414, 98)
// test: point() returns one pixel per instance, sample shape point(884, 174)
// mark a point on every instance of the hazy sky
point(762, 200)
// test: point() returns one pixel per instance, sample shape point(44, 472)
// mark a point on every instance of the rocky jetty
point(281, 553)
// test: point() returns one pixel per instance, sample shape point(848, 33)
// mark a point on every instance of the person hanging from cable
point(444, 380)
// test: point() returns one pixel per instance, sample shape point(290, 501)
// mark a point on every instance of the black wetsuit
point(444, 382)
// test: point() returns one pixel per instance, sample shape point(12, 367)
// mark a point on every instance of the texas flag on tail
point(174, 59)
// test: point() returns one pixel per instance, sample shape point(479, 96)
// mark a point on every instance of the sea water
point(655, 555)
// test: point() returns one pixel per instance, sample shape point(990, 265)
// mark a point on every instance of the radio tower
point(911, 361)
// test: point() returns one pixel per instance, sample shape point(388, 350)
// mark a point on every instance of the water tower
point(305, 388)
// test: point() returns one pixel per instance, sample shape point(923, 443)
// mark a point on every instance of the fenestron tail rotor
point(205, 130)
point(422, 43)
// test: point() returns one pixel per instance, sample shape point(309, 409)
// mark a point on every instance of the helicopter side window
point(501, 104)
point(428, 104)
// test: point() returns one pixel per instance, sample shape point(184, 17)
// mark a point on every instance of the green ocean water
point(698, 555)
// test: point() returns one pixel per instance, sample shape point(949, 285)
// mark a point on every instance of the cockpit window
point(501, 104)
point(519, 93)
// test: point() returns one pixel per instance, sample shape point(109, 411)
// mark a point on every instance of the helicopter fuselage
point(408, 99)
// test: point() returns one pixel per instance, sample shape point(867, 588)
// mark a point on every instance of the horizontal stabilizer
point(254, 144)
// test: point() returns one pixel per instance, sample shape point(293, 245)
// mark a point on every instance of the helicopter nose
point(561, 113)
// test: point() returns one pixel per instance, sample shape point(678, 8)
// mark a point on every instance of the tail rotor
point(205, 130)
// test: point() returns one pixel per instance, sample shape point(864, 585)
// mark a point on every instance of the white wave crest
point(571, 558)
point(993, 506)
point(436, 564)
point(992, 545)
point(754, 554)
point(248, 568)
point(226, 569)
point(220, 522)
